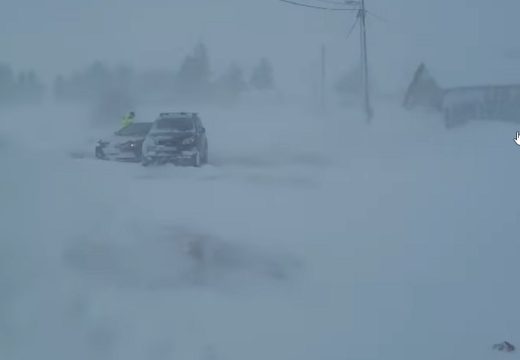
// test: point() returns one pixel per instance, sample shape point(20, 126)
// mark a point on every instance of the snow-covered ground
point(309, 236)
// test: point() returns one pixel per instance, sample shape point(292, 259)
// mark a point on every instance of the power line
point(316, 7)
point(361, 19)
point(352, 28)
point(377, 17)
point(343, 3)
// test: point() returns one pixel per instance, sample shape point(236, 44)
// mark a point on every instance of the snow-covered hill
point(309, 236)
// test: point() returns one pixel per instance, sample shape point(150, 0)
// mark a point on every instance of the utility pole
point(354, 6)
point(323, 85)
point(364, 61)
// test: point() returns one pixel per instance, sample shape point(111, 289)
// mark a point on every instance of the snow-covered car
point(125, 144)
point(178, 138)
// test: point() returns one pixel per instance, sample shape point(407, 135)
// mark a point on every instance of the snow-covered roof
point(477, 71)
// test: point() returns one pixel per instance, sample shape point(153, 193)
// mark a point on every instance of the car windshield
point(175, 124)
point(136, 129)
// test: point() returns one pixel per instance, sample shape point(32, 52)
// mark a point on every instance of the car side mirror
point(202, 130)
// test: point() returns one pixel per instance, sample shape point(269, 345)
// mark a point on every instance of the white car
point(125, 144)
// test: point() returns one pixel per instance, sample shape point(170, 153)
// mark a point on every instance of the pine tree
point(263, 76)
point(60, 88)
point(231, 84)
point(193, 78)
point(7, 84)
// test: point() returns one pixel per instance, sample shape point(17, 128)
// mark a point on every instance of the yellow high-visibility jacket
point(127, 120)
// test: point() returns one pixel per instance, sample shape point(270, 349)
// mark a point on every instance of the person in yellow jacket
point(128, 119)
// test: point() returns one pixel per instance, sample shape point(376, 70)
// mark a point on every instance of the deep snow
point(309, 236)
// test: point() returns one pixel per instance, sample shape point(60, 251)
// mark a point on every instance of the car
point(178, 138)
point(125, 144)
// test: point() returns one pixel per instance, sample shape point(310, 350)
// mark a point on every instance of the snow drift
point(309, 236)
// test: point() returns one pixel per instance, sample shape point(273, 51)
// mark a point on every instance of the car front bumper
point(116, 154)
point(163, 156)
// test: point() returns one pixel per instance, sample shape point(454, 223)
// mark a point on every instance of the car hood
point(118, 139)
point(171, 135)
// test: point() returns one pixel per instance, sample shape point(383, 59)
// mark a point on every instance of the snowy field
point(308, 236)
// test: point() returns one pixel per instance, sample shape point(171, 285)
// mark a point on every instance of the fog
point(309, 234)
point(62, 36)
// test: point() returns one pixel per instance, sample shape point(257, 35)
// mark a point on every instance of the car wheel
point(205, 158)
point(146, 162)
point(99, 154)
point(197, 160)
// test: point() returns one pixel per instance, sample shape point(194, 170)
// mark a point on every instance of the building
point(460, 104)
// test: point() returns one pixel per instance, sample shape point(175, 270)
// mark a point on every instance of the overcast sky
point(460, 38)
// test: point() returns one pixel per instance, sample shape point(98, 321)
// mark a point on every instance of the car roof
point(177, 115)
point(141, 123)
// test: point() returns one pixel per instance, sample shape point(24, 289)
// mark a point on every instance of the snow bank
point(309, 236)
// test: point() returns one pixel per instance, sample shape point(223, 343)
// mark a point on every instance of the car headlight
point(188, 141)
point(126, 145)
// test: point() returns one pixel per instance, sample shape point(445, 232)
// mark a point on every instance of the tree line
point(112, 90)
point(192, 82)
point(19, 88)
